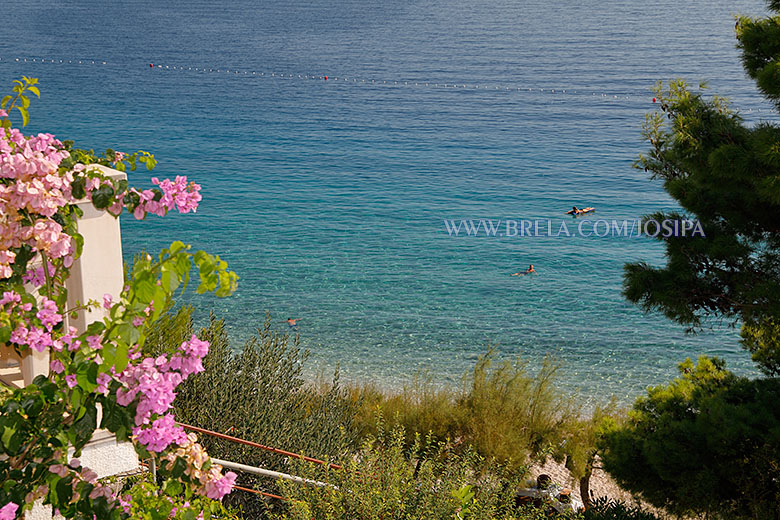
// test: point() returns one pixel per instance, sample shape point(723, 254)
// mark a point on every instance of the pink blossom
point(58, 469)
point(162, 433)
point(39, 339)
point(8, 511)
point(57, 366)
point(219, 487)
point(179, 194)
point(101, 491)
point(19, 334)
point(195, 347)
point(36, 276)
point(6, 259)
point(70, 379)
point(75, 345)
point(48, 314)
point(102, 383)
point(107, 298)
point(94, 342)
point(89, 475)
point(10, 297)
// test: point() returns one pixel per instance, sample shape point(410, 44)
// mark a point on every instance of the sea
point(329, 197)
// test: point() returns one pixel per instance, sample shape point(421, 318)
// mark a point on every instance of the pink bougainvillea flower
point(59, 469)
point(94, 342)
point(57, 366)
point(8, 511)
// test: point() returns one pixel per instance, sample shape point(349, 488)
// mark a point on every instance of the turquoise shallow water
point(328, 197)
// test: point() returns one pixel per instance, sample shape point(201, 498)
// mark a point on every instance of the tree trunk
point(585, 487)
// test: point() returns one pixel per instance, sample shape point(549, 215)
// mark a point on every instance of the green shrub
point(420, 407)
point(387, 480)
point(708, 443)
point(512, 415)
point(503, 411)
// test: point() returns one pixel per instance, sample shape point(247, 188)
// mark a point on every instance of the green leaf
point(7, 434)
point(78, 187)
point(177, 246)
point(159, 301)
point(122, 357)
point(85, 427)
point(5, 101)
point(170, 279)
point(108, 354)
point(25, 115)
point(35, 91)
point(103, 197)
point(87, 376)
point(33, 406)
point(127, 333)
point(64, 490)
point(172, 487)
point(14, 443)
point(179, 467)
point(5, 334)
point(76, 397)
point(145, 290)
point(116, 419)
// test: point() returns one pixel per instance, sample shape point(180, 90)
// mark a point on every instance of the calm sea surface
point(329, 197)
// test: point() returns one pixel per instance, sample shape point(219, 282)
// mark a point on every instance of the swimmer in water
point(527, 271)
point(577, 211)
point(293, 322)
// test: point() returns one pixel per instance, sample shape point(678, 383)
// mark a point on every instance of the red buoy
point(326, 78)
point(653, 100)
point(151, 64)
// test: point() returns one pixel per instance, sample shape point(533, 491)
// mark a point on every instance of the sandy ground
point(601, 484)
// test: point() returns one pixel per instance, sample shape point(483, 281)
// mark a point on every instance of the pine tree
point(708, 443)
point(724, 174)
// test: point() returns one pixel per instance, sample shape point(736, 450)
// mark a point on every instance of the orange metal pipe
point(256, 445)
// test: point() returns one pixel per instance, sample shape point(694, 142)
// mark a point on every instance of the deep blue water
point(328, 197)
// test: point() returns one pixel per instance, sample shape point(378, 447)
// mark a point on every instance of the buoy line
point(558, 92)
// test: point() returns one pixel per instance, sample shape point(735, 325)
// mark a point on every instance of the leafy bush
point(512, 414)
point(707, 443)
point(503, 412)
point(382, 481)
point(419, 407)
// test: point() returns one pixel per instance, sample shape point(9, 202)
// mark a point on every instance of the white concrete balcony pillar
point(99, 270)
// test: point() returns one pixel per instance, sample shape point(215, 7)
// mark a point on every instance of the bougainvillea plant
point(97, 377)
